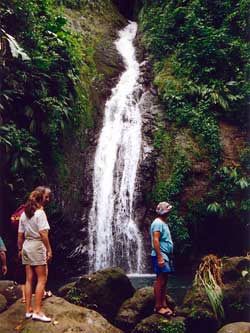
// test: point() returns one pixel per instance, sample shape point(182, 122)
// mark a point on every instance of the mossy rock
point(66, 317)
point(158, 324)
point(11, 291)
point(200, 320)
point(3, 303)
point(62, 291)
point(236, 301)
point(138, 307)
point(103, 291)
point(198, 311)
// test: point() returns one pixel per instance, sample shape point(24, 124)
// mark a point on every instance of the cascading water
point(114, 237)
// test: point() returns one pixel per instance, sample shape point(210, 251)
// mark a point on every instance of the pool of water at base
point(177, 284)
point(176, 287)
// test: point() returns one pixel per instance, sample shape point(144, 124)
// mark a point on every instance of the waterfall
point(114, 237)
point(15, 48)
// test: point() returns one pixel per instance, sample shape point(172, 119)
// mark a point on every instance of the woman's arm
point(156, 244)
point(45, 239)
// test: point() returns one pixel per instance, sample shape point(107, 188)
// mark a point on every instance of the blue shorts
point(167, 268)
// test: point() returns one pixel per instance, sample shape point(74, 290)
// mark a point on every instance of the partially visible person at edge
point(3, 251)
point(35, 249)
point(162, 247)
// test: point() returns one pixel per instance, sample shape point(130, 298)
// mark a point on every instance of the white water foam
point(114, 237)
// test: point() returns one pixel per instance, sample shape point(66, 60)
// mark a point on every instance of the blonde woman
point(35, 249)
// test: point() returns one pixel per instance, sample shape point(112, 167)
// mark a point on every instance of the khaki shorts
point(34, 252)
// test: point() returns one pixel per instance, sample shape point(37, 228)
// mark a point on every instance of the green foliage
point(200, 61)
point(173, 327)
point(23, 148)
point(169, 189)
point(21, 161)
point(47, 97)
point(172, 187)
point(245, 158)
point(214, 293)
point(229, 192)
point(74, 296)
point(78, 4)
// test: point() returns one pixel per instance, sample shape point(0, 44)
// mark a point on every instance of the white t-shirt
point(31, 227)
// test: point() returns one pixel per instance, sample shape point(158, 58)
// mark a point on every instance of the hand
point(160, 261)
point(49, 256)
point(4, 269)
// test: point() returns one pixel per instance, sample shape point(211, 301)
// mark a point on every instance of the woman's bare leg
point(41, 281)
point(23, 292)
point(28, 287)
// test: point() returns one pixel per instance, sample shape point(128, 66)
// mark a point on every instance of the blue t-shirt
point(2, 246)
point(166, 243)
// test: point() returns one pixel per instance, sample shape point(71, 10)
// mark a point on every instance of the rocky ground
point(106, 302)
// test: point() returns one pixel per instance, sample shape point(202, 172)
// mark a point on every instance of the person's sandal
point(166, 314)
point(47, 294)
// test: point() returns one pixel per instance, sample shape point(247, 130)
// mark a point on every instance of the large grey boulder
point(103, 291)
point(11, 291)
point(240, 327)
point(136, 308)
point(66, 317)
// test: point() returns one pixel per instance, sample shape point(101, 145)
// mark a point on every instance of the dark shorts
point(167, 268)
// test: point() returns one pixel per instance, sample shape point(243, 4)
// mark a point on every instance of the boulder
point(136, 308)
point(198, 311)
point(233, 268)
point(200, 316)
point(103, 291)
point(240, 327)
point(3, 303)
point(236, 300)
point(10, 290)
point(236, 289)
point(158, 324)
point(62, 292)
point(66, 317)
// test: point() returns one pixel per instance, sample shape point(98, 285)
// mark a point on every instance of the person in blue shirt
point(3, 256)
point(162, 248)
